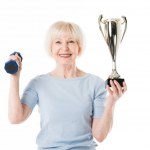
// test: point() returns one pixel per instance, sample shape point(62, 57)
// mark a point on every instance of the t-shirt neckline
point(67, 79)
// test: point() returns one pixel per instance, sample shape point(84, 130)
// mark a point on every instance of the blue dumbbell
point(11, 66)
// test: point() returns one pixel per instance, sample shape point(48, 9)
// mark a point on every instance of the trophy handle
point(125, 28)
point(100, 26)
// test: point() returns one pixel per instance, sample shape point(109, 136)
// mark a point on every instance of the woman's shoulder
point(97, 82)
point(38, 78)
point(95, 77)
point(92, 76)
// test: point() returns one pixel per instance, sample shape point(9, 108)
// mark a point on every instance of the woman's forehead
point(65, 36)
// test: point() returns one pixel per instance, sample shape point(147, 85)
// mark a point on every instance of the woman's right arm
point(17, 112)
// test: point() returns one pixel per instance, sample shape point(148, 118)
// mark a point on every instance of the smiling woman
point(73, 105)
point(65, 44)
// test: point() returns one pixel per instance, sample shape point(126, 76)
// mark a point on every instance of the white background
point(23, 25)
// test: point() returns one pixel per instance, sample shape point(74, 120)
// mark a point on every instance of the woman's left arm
point(102, 126)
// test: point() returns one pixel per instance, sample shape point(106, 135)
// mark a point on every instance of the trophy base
point(119, 80)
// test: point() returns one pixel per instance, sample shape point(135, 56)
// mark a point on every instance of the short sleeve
point(30, 96)
point(99, 99)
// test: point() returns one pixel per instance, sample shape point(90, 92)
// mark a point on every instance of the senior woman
point(74, 107)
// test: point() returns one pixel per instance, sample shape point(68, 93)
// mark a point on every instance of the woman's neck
point(67, 71)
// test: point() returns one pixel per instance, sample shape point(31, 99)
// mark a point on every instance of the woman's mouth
point(65, 55)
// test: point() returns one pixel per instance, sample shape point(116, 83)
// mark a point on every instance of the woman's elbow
point(100, 138)
point(15, 119)
point(19, 116)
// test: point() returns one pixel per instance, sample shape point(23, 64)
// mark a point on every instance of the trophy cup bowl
point(111, 30)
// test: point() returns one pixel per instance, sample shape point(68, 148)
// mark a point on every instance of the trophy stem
point(114, 73)
point(113, 65)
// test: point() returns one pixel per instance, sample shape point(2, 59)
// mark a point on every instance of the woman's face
point(65, 50)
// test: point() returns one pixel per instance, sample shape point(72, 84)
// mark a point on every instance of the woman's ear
point(79, 52)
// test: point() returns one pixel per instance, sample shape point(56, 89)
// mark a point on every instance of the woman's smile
point(65, 55)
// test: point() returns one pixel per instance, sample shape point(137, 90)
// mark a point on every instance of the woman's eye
point(71, 41)
point(58, 42)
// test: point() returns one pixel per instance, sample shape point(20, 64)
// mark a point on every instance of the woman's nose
point(65, 46)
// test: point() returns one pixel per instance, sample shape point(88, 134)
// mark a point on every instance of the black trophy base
point(119, 80)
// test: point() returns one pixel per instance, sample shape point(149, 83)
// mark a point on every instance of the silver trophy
point(113, 34)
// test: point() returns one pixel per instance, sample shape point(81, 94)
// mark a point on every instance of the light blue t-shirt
point(67, 107)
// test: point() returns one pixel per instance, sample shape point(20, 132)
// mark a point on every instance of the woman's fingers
point(113, 87)
point(119, 88)
point(116, 88)
point(109, 90)
point(124, 87)
point(15, 58)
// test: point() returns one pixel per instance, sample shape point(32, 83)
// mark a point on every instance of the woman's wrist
point(110, 102)
point(14, 78)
